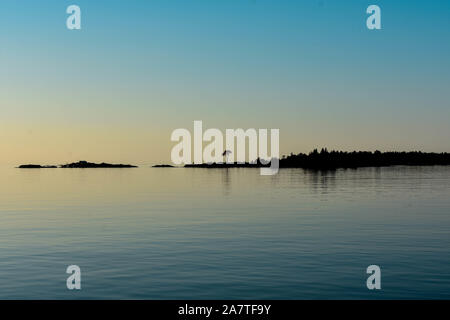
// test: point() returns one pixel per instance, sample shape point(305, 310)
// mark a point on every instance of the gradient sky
point(115, 90)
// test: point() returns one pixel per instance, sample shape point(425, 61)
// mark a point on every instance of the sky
point(137, 70)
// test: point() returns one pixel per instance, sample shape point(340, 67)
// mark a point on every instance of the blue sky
point(140, 69)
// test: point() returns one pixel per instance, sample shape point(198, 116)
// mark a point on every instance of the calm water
point(152, 233)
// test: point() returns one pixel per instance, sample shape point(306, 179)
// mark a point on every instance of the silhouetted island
point(85, 164)
point(35, 166)
point(163, 166)
point(342, 159)
point(227, 165)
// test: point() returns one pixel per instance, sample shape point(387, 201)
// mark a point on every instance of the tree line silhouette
point(341, 159)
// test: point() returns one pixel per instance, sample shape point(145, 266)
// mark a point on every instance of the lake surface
point(174, 233)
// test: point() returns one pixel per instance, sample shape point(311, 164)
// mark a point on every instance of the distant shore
point(80, 164)
point(323, 159)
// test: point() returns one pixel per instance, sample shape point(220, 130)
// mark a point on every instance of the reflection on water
point(321, 180)
point(170, 233)
point(226, 181)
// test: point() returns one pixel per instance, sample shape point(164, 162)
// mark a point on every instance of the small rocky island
point(35, 166)
point(227, 165)
point(163, 166)
point(85, 164)
point(79, 164)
